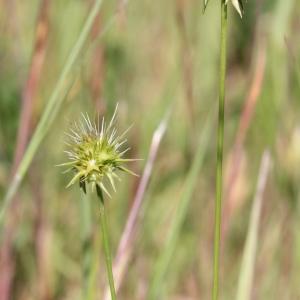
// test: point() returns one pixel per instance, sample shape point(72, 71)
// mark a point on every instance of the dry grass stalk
point(125, 247)
point(26, 119)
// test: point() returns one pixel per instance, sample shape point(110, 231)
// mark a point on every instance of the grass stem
point(219, 176)
point(86, 240)
point(126, 244)
point(107, 252)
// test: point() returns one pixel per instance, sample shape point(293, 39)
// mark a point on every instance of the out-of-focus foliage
point(153, 54)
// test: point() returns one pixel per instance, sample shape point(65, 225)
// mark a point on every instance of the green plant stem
point(86, 241)
point(51, 110)
point(219, 176)
point(107, 253)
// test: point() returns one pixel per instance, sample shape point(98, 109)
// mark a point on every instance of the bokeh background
point(156, 59)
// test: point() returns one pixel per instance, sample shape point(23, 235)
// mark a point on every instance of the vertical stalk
point(107, 253)
point(86, 240)
point(219, 176)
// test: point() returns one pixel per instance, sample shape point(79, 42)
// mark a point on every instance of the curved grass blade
point(186, 197)
point(50, 111)
point(126, 244)
point(248, 261)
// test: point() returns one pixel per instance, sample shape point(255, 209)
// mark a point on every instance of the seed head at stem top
point(95, 153)
point(237, 4)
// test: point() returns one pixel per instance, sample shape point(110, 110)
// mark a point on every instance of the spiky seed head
point(95, 153)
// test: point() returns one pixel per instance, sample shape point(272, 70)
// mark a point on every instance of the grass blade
point(186, 197)
point(248, 261)
point(51, 109)
point(125, 247)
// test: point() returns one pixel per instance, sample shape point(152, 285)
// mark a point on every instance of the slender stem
point(107, 253)
point(219, 177)
point(86, 240)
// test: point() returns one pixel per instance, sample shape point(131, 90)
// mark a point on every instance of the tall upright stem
point(107, 253)
point(219, 176)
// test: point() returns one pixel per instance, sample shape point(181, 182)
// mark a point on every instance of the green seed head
point(95, 153)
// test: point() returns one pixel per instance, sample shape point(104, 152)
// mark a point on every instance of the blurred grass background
point(148, 56)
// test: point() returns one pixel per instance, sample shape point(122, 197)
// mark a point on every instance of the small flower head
point(95, 153)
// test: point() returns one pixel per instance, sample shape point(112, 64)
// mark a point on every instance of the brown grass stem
point(126, 242)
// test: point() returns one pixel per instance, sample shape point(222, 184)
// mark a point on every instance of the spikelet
point(237, 4)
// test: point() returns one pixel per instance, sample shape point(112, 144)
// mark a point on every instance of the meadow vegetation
point(160, 62)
